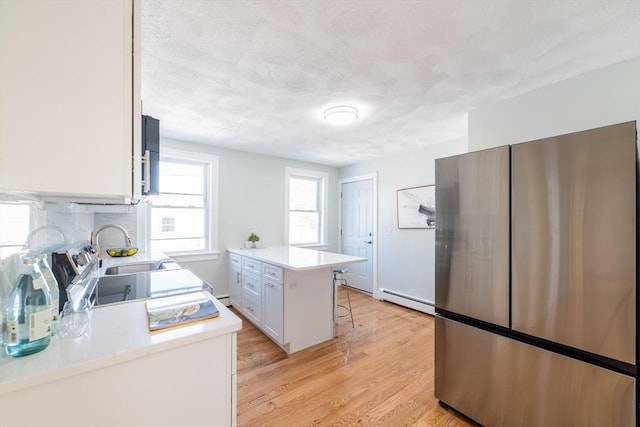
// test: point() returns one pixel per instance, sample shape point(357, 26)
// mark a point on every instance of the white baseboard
point(408, 302)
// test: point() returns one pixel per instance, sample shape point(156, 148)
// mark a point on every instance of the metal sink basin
point(138, 267)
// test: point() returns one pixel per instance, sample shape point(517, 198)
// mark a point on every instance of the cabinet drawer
point(235, 260)
point(251, 309)
point(252, 265)
point(272, 272)
point(252, 285)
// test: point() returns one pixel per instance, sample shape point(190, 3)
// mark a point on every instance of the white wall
point(405, 256)
point(603, 97)
point(251, 193)
point(252, 186)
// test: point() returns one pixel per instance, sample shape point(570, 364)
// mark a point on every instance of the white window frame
point(323, 178)
point(20, 245)
point(212, 208)
point(169, 223)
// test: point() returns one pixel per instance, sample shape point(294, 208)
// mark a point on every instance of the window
point(168, 224)
point(182, 215)
point(14, 227)
point(306, 207)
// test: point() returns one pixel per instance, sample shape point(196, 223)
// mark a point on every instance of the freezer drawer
point(574, 247)
point(472, 235)
point(498, 381)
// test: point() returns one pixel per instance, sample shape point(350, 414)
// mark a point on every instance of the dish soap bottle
point(48, 276)
point(28, 312)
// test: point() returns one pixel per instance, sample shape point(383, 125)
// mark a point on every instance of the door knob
point(368, 241)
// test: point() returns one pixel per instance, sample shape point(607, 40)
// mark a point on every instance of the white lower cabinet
point(295, 321)
point(273, 310)
point(141, 390)
point(255, 288)
point(252, 291)
point(235, 285)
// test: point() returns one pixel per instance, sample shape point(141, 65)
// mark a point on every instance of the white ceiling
point(257, 75)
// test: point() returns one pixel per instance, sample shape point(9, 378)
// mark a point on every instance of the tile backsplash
point(51, 225)
point(78, 221)
point(113, 238)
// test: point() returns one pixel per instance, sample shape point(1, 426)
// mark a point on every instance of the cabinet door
point(235, 286)
point(272, 310)
point(67, 103)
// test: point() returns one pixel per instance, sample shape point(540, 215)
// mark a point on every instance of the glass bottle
point(28, 312)
point(2, 330)
point(48, 276)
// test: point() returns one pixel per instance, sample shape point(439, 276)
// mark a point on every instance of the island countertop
point(297, 259)
point(118, 333)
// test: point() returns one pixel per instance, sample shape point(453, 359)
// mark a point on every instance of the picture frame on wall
point(417, 207)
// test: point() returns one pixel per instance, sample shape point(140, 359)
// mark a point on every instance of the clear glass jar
point(28, 312)
point(75, 321)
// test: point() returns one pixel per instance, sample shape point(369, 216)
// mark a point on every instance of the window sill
point(198, 256)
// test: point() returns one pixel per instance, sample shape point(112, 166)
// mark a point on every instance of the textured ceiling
point(256, 75)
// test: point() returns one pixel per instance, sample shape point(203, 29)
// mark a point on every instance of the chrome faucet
point(95, 234)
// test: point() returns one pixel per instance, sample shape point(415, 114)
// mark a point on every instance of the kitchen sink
point(139, 267)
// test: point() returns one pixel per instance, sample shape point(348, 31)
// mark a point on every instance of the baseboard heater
point(408, 301)
point(225, 300)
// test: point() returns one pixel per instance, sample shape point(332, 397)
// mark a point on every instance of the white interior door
point(357, 231)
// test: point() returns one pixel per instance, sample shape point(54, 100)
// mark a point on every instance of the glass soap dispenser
point(28, 312)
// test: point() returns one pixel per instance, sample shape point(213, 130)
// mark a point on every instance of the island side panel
point(189, 385)
point(308, 308)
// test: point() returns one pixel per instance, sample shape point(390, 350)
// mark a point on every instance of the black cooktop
point(117, 289)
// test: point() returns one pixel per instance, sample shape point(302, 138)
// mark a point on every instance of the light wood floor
point(378, 373)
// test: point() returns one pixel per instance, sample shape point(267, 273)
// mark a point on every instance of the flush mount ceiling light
point(341, 115)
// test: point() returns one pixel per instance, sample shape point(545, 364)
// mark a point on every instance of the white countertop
point(294, 258)
point(118, 333)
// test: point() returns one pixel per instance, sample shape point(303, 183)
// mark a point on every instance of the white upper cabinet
point(70, 99)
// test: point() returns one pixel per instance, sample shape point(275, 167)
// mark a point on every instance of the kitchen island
point(287, 292)
point(122, 375)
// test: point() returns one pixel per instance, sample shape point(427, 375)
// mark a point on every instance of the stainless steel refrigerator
point(536, 281)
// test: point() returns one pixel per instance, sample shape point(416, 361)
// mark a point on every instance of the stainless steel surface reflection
point(574, 248)
point(128, 287)
point(498, 381)
point(472, 235)
point(140, 267)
